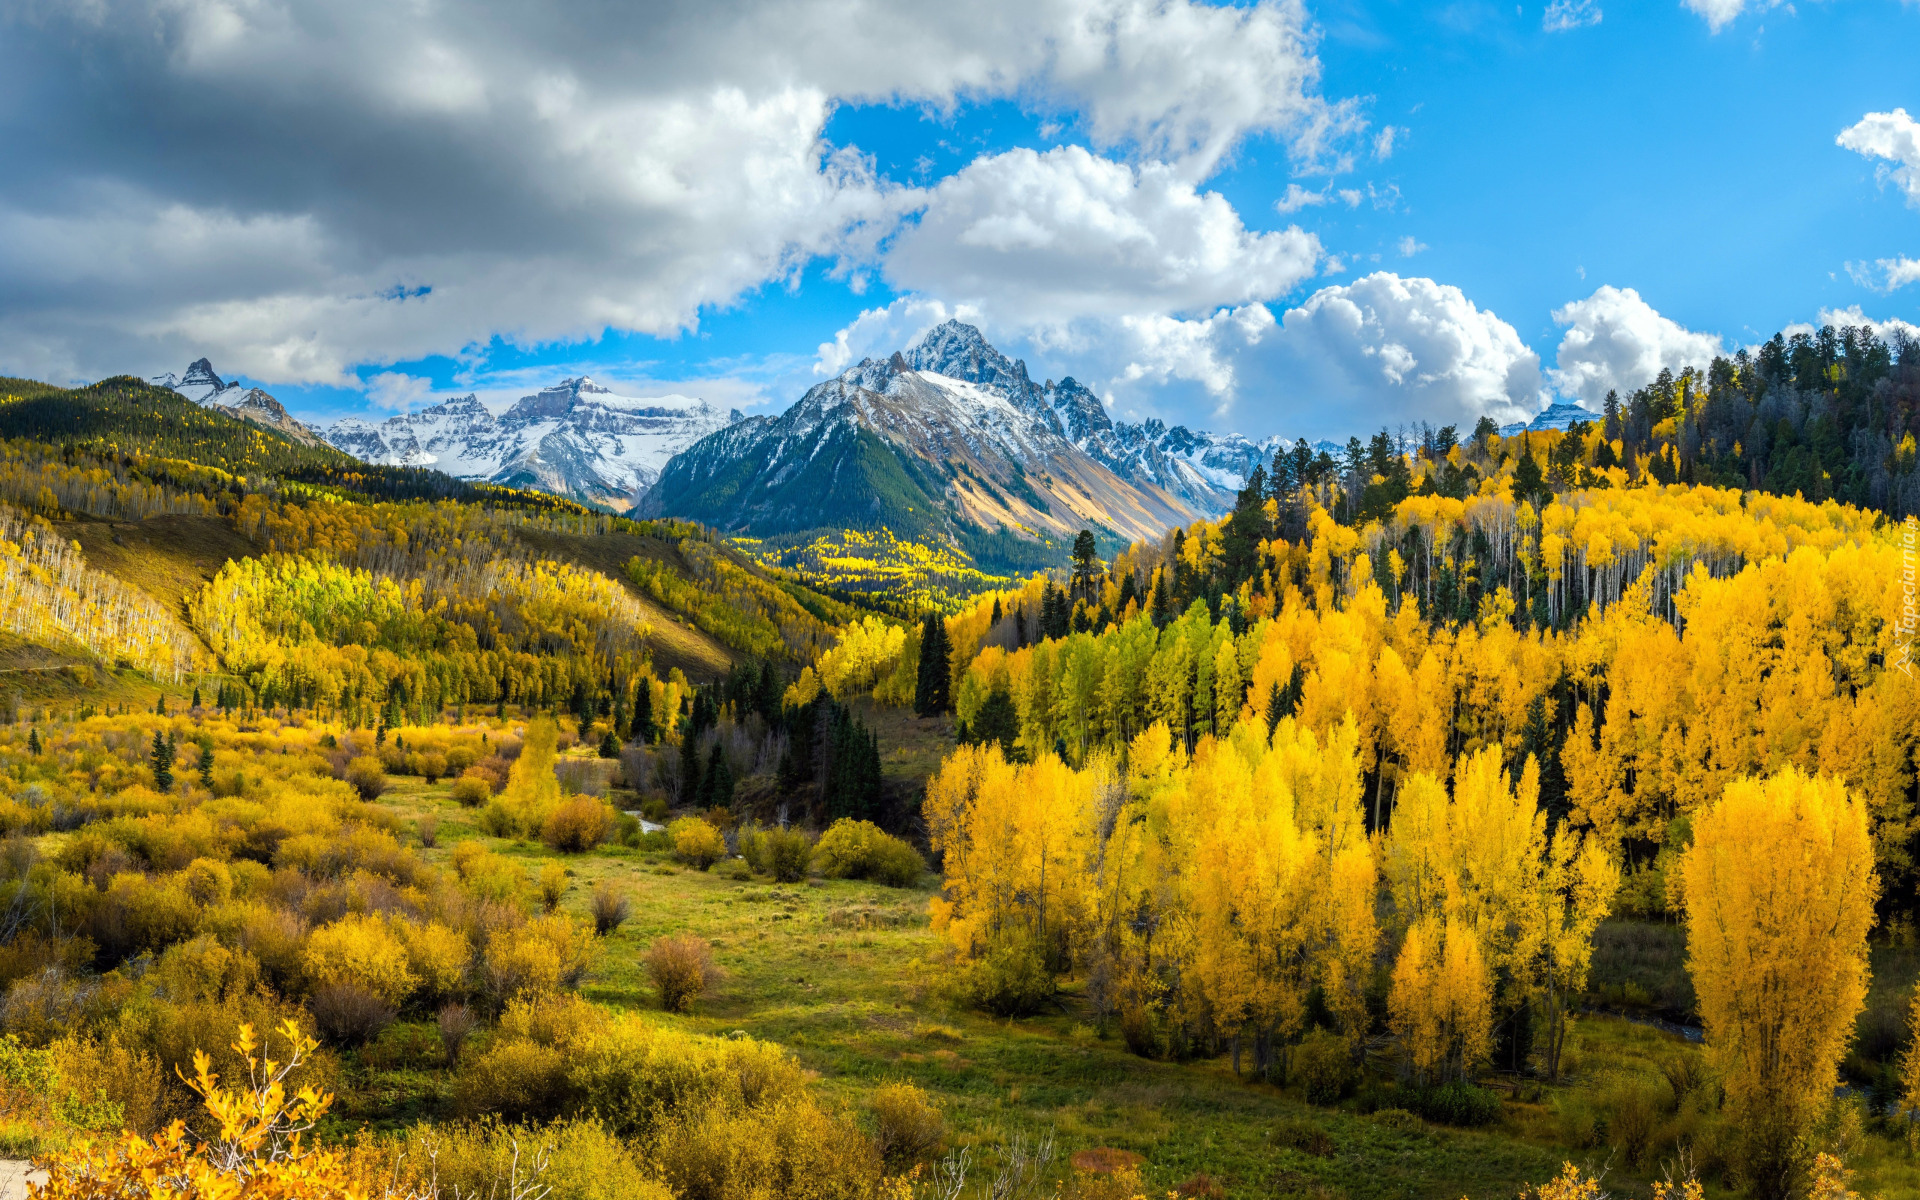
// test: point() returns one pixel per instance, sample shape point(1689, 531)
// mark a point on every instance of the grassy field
point(849, 977)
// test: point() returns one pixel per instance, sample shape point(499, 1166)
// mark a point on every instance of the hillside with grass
point(1507, 811)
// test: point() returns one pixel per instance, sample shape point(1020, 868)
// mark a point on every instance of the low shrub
point(428, 827)
point(1298, 1133)
point(1400, 1119)
point(789, 1148)
point(583, 1161)
point(471, 790)
point(852, 849)
point(514, 1078)
point(781, 853)
point(553, 885)
point(456, 1022)
point(610, 907)
point(1324, 1066)
point(907, 1128)
point(1011, 981)
point(1455, 1104)
point(577, 825)
point(348, 1014)
point(368, 775)
point(696, 842)
point(683, 970)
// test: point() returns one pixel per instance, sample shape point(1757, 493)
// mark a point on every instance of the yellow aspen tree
point(1780, 888)
point(1439, 1002)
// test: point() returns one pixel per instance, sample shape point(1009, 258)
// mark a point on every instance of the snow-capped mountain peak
point(577, 438)
point(203, 385)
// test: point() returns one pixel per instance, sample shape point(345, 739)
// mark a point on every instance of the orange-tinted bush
point(577, 825)
point(683, 970)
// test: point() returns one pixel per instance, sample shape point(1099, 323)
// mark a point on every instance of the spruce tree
point(610, 745)
point(33, 741)
point(935, 682)
point(689, 767)
point(719, 781)
point(643, 713)
point(162, 758)
point(206, 763)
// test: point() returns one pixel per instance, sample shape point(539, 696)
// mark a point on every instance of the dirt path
point(15, 1174)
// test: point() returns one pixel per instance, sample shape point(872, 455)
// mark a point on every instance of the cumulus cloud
point(1890, 330)
point(1562, 15)
point(1615, 341)
point(881, 331)
point(301, 187)
point(1895, 137)
point(1381, 350)
point(1409, 246)
point(1049, 239)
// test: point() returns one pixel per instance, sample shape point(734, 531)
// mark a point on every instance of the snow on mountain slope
point(1558, 415)
point(202, 385)
point(949, 440)
point(576, 438)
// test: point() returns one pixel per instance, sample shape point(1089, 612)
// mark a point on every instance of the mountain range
point(948, 440)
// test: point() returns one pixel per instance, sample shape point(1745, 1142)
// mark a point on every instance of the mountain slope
point(576, 439)
point(949, 441)
point(202, 385)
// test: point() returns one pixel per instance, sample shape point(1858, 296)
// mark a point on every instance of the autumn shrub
point(683, 970)
point(207, 881)
point(781, 853)
point(633, 1074)
point(141, 913)
point(577, 825)
point(852, 849)
point(1324, 1066)
point(205, 968)
point(430, 767)
point(110, 1070)
point(438, 956)
point(583, 1161)
point(1011, 980)
point(276, 937)
point(471, 791)
point(611, 907)
point(1455, 1103)
point(493, 770)
point(456, 1023)
point(789, 1148)
point(513, 1078)
point(553, 885)
point(1633, 1108)
point(907, 1127)
point(361, 952)
point(545, 955)
point(368, 775)
point(428, 827)
point(348, 1014)
point(697, 842)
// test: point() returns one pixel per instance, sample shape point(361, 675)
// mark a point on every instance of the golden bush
point(577, 825)
point(696, 842)
point(363, 951)
point(683, 970)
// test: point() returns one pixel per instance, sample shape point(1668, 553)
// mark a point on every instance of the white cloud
point(398, 391)
point(881, 331)
point(1382, 350)
point(1409, 247)
point(1894, 136)
point(1049, 239)
point(1888, 330)
point(1384, 141)
point(285, 167)
point(1616, 341)
point(1886, 274)
point(1298, 198)
point(1721, 13)
point(1563, 15)
point(1164, 349)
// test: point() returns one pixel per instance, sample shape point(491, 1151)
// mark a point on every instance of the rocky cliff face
point(203, 385)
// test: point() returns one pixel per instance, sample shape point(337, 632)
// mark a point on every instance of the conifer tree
point(718, 784)
point(689, 766)
point(162, 758)
point(33, 741)
point(206, 762)
point(643, 728)
point(935, 681)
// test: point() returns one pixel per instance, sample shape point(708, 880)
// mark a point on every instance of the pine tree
point(610, 745)
point(162, 759)
point(689, 766)
point(33, 742)
point(1086, 566)
point(196, 699)
point(718, 785)
point(206, 763)
point(643, 728)
point(935, 681)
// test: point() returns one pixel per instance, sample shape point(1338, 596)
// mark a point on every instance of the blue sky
point(1274, 219)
